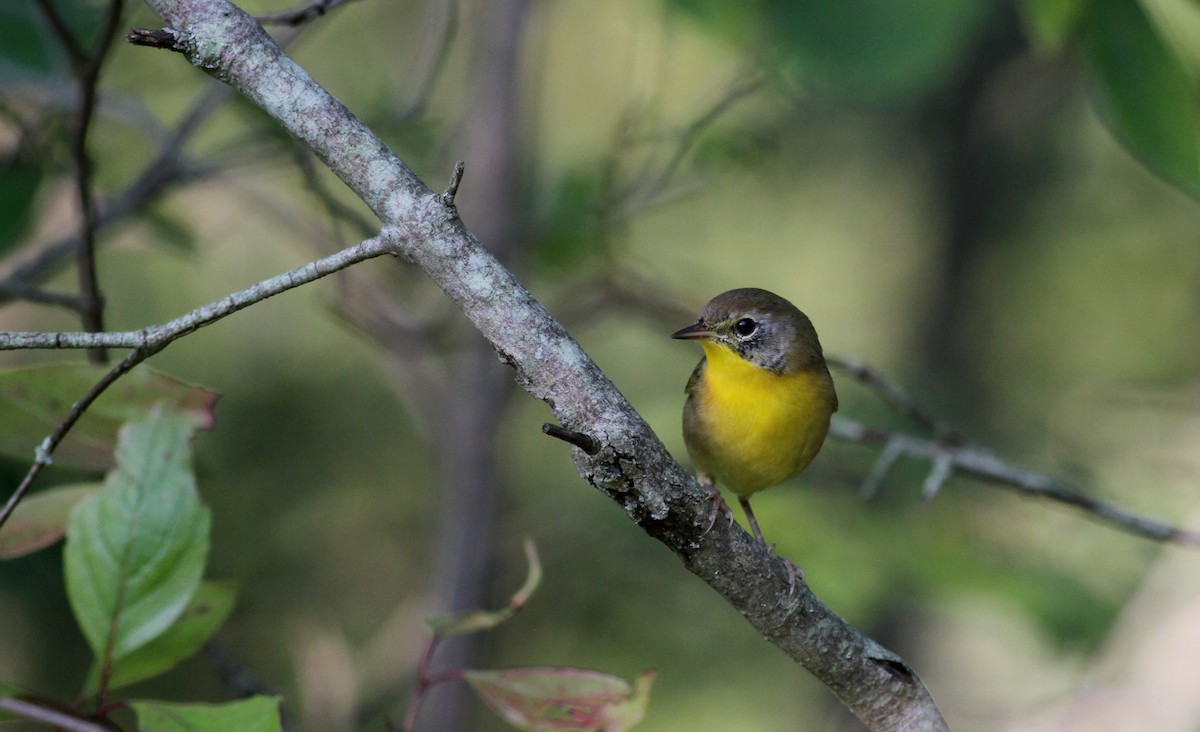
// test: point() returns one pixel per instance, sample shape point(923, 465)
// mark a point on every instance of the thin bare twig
point(891, 453)
point(149, 341)
point(896, 397)
point(159, 335)
point(974, 462)
point(951, 453)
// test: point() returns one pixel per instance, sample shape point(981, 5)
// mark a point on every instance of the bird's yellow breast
point(750, 428)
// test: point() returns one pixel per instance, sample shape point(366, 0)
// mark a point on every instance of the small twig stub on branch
point(587, 443)
point(167, 38)
point(451, 191)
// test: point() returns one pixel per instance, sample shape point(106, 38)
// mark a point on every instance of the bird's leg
point(754, 523)
point(792, 570)
point(719, 505)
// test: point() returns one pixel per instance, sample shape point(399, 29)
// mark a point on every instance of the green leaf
point(1143, 91)
point(41, 519)
point(735, 21)
point(19, 183)
point(876, 50)
point(474, 621)
point(34, 399)
point(204, 615)
point(136, 550)
point(1178, 22)
point(25, 42)
point(257, 714)
point(1051, 22)
point(563, 698)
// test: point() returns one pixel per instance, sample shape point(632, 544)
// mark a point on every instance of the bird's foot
point(793, 572)
point(719, 506)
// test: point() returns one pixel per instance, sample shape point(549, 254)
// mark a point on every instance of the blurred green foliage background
point(937, 184)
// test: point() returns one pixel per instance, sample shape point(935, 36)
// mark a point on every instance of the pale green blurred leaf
point(136, 550)
point(40, 519)
point(257, 714)
point(1052, 22)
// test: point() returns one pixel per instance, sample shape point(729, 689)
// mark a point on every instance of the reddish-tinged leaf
point(563, 698)
point(476, 620)
point(33, 400)
point(41, 519)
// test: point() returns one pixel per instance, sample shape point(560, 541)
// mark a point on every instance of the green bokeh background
point(1059, 325)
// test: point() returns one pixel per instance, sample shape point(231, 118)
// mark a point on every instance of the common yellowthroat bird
point(759, 402)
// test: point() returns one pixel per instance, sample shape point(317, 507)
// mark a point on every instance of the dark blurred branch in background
point(475, 487)
point(301, 15)
point(86, 66)
point(654, 181)
point(441, 26)
point(27, 265)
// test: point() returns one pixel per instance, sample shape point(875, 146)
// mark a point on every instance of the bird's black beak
point(697, 331)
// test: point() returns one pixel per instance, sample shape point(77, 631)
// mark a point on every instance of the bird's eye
point(745, 328)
